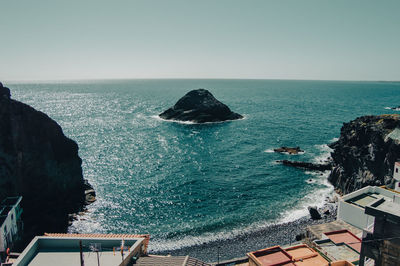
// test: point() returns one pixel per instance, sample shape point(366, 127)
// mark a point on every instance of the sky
point(246, 39)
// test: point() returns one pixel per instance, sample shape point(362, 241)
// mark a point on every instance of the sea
point(187, 184)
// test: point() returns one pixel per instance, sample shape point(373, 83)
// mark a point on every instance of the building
point(351, 207)
point(83, 249)
point(95, 250)
point(340, 245)
point(300, 255)
point(11, 223)
point(381, 242)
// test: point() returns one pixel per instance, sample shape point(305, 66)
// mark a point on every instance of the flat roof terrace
point(65, 251)
point(271, 256)
point(305, 256)
point(363, 199)
point(67, 258)
point(384, 207)
point(344, 236)
point(337, 251)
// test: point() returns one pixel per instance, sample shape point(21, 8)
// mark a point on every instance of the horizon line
point(203, 78)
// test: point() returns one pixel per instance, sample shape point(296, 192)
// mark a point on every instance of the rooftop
point(304, 255)
point(340, 251)
point(344, 236)
point(153, 260)
point(384, 207)
point(316, 231)
point(112, 236)
point(65, 250)
point(364, 199)
point(271, 256)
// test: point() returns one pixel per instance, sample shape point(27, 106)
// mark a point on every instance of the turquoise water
point(187, 183)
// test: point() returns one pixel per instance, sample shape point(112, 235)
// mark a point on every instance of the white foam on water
point(269, 150)
point(192, 122)
point(325, 153)
point(313, 198)
point(334, 140)
point(272, 151)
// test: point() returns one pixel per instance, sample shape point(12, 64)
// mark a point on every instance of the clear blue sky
point(79, 39)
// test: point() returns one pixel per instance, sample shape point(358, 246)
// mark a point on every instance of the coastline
point(275, 234)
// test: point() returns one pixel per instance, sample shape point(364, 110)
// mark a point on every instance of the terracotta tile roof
point(169, 261)
point(146, 236)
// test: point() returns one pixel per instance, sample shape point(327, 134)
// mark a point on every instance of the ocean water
point(185, 183)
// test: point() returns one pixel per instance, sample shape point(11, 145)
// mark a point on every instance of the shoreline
point(276, 234)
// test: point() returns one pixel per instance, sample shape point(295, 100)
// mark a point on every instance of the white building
point(351, 207)
point(11, 223)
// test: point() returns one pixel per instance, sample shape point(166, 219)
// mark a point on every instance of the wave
point(272, 151)
point(325, 153)
point(269, 150)
point(192, 122)
point(316, 198)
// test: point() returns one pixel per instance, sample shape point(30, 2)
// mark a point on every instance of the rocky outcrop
point(40, 163)
point(307, 165)
point(366, 152)
point(289, 150)
point(199, 106)
point(314, 213)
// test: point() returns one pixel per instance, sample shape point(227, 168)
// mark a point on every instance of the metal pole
point(81, 253)
point(218, 253)
point(98, 260)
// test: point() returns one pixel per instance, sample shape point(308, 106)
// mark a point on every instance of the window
point(398, 184)
point(12, 216)
point(397, 170)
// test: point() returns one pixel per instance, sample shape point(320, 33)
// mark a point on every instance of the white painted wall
point(355, 215)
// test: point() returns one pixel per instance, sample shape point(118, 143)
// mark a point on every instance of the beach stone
point(199, 106)
point(315, 215)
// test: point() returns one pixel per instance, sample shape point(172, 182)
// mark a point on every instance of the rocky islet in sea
point(199, 106)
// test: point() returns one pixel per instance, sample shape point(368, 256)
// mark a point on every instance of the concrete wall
point(355, 215)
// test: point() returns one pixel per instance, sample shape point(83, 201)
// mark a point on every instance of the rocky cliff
point(366, 152)
point(199, 106)
point(40, 163)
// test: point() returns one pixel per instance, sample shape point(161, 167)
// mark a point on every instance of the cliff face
point(366, 152)
point(38, 162)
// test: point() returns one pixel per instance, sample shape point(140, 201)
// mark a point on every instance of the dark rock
point(4, 92)
point(90, 196)
point(289, 150)
point(395, 108)
point(315, 215)
point(365, 153)
point(300, 236)
point(38, 162)
point(199, 106)
point(307, 165)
